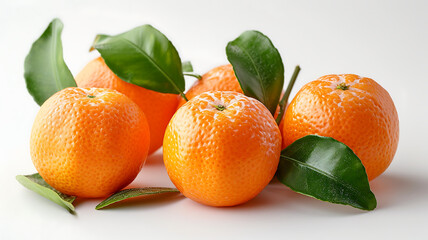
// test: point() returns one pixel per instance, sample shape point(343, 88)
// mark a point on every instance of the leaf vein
point(345, 185)
point(258, 73)
point(154, 63)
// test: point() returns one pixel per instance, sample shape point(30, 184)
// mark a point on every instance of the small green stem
point(184, 97)
point(342, 86)
point(219, 107)
point(193, 75)
point(284, 99)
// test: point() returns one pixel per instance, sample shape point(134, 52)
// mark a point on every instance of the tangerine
point(221, 148)
point(89, 142)
point(352, 109)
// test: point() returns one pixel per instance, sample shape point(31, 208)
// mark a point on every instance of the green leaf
point(187, 66)
point(326, 169)
point(45, 71)
point(145, 57)
point(258, 67)
point(134, 192)
point(98, 38)
point(188, 70)
point(36, 183)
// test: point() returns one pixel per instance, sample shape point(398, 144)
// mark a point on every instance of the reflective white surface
point(384, 40)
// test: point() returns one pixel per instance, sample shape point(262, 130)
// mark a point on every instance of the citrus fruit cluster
point(222, 139)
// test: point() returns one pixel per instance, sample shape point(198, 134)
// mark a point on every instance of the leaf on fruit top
point(326, 169)
point(134, 192)
point(36, 183)
point(45, 71)
point(258, 67)
point(145, 57)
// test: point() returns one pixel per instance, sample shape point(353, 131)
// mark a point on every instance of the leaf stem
point(283, 102)
point(184, 96)
point(197, 76)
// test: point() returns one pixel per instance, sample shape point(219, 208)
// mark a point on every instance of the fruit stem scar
point(219, 107)
point(91, 96)
point(342, 86)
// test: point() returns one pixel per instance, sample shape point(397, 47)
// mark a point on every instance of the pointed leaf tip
point(145, 57)
point(258, 67)
point(326, 169)
point(37, 184)
point(134, 192)
point(45, 71)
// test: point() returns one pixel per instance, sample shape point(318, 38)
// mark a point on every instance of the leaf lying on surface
point(36, 183)
point(134, 192)
point(326, 169)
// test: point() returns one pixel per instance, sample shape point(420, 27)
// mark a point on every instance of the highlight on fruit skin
point(351, 109)
point(89, 142)
point(157, 107)
point(221, 148)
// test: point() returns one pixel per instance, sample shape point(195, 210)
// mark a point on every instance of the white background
point(384, 40)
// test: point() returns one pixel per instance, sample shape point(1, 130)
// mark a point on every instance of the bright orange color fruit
point(221, 78)
point(158, 107)
point(89, 142)
point(221, 148)
point(352, 109)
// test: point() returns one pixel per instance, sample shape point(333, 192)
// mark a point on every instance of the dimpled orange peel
point(352, 109)
point(89, 142)
point(157, 107)
point(222, 148)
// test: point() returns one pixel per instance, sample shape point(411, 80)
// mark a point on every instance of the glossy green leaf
point(134, 192)
point(36, 183)
point(98, 38)
point(145, 57)
point(326, 169)
point(45, 71)
point(258, 67)
point(187, 66)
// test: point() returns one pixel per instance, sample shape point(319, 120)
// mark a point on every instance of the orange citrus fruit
point(221, 148)
point(221, 78)
point(352, 109)
point(89, 142)
point(158, 107)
